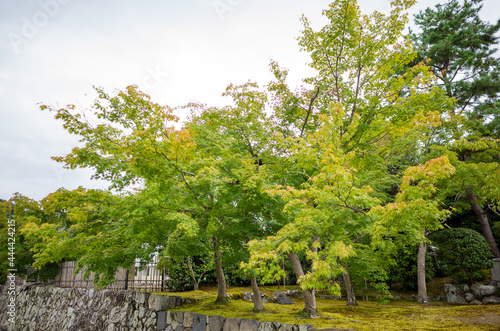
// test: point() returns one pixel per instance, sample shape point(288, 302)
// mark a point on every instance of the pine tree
point(461, 50)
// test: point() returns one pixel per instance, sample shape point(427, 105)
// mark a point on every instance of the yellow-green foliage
point(369, 315)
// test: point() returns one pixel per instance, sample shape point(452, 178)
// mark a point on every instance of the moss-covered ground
point(368, 315)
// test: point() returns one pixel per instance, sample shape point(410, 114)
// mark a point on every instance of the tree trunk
point(257, 299)
point(422, 287)
point(191, 273)
point(485, 224)
point(284, 275)
point(309, 295)
point(351, 298)
point(221, 281)
point(365, 290)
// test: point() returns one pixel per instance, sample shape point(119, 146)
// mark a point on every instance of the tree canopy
point(459, 47)
point(335, 176)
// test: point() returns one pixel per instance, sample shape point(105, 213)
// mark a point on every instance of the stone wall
point(188, 321)
point(53, 308)
point(473, 295)
point(77, 309)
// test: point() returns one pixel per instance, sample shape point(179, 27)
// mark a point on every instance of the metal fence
point(149, 278)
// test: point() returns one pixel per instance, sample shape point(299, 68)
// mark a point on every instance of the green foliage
point(473, 186)
point(177, 277)
point(22, 211)
point(404, 268)
point(468, 220)
point(203, 182)
point(346, 141)
point(496, 229)
point(48, 272)
point(5, 210)
point(415, 209)
point(461, 50)
point(100, 230)
point(335, 174)
point(369, 272)
point(462, 253)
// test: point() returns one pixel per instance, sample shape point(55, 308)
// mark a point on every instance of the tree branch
point(356, 210)
point(309, 111)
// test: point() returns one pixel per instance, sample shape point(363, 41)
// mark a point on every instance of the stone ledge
point(199, 322)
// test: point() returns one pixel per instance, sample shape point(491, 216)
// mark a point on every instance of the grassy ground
point(368, 315)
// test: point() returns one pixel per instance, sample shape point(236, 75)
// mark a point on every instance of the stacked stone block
point(188, 321)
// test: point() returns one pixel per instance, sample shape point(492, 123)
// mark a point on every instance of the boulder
point(288, 327)
point(454, 294)
point(268, 300)
point(248, 296)
point(491, 300)
point(469, 297)
point(283, 299)
point(235, 296)
point(483, 290)
point(294, 293)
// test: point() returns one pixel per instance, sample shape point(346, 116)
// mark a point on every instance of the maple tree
point(364, 124)
point(16, 213)
point(202, 182)
point(340, 173)
point(414, 212)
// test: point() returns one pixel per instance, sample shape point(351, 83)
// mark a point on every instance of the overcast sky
point(54, 51)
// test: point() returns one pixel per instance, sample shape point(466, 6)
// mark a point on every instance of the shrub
point(177, 277)
point(462, 253)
